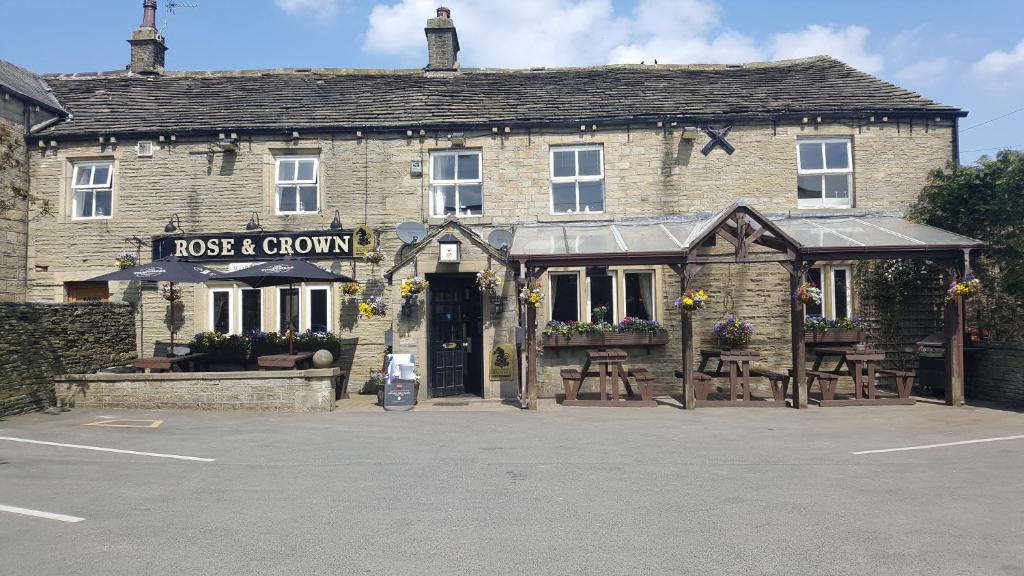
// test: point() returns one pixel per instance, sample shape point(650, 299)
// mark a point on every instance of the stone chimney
point(147, 43)
point(442, 42)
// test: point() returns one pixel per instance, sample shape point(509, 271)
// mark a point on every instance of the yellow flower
point(688, 301)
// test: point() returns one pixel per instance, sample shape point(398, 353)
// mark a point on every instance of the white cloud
point(924, 72)
point(323, 9)
point(846, 44)
point(998, 65)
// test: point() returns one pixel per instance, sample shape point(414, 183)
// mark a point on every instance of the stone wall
point(40, 341)
point(997, 375)
point(285, 390)
point(13, 220)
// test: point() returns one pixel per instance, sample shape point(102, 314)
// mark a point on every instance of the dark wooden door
point(455, 336)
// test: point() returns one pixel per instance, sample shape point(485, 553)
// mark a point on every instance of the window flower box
point(607, 339)
point(835, 336)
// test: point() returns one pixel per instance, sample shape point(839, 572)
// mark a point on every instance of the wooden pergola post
point(686, 340)
point(799, 351)
point(953, 327)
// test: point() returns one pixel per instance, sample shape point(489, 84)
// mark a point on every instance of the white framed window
point(577, 179)
point(222, 310)
point(602, 291)
point(824, 173)
point(288, 309)
point(638, 292)
point(835, 282)
point(251, 310)
point(297, 184)
point(318, 308)
point(565, 296)
point(91, 196)
point(456, 183)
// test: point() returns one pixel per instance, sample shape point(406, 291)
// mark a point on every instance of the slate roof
point(26, 85)
point(280, 100)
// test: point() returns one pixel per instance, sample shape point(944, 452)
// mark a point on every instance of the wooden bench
point(827, 381)
point(904, 380)
point(571, 381)
point(644, 381)
point(778, 381)
point(701, 384)
point(286, 361)
point(168, 363)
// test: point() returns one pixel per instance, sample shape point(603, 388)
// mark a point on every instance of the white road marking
point(40, 514)
point(102, 449)
point(944, 444)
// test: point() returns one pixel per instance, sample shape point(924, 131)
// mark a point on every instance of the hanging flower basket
point(170, 292)
point(350, 289)
point(732, 331)
point(375, 256)
point(966, 288)
point(692, 300)
point(532, 294)
point(488, 281)
point(126, 260)
point(411, 289)
point(807, 293)
point(373, 307)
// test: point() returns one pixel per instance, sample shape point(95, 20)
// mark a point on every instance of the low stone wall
point(40, 341)
point(997, 375)
point(284, 390)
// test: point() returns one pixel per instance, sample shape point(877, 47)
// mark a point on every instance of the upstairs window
point(297, 184)
point(91, 191)
point(577, 179)
point(825, 173)
point(456, 185)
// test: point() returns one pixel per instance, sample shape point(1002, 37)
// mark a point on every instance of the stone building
point(470, 153)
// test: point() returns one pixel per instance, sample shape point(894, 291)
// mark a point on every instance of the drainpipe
point(955, 141)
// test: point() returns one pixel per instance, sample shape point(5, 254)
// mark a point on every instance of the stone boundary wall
point(284, 390)
point(40, 341)
point(997, 374)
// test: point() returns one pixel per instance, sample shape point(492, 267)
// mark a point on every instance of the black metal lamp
point(254, 223)
point(336, 223)
point(173, 225)
point(450, 249)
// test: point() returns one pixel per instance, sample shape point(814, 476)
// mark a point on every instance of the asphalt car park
point(922, 489)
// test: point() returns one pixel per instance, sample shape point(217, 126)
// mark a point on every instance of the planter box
point(612, 339)
point(835, 336)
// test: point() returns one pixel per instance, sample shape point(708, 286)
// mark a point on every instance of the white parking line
point(102, 449)
point(944, 444)
point(40, 514)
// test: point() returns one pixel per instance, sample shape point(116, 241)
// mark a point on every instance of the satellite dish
point(411, 232)
point(500, 239)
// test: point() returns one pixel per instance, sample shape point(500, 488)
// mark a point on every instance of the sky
point(964, 53)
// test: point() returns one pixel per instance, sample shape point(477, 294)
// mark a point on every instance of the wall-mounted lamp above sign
point(449, 248)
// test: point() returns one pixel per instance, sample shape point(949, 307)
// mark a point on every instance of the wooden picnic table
point(609, 366)
point(295, 361)
point(735, 363)
point(187, 362)
point(861, 366)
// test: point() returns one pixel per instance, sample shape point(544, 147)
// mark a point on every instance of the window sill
point(574, 217)
point(93, 219)
point(475, 220)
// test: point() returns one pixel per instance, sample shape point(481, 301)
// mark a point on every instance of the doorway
point(455, 328)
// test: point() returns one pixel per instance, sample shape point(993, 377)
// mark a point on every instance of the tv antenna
point(172, 5)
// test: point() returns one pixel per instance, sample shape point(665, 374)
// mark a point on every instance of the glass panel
point(563, 163)
point(919, 232)
point(563, 196)
point(444, 167)
point(539, 240)
point(318, 310)
point(814, 275)
point(469, 166)
point(810, 156)
point(306, 170)
point(602, 293)
point(836, 156)
point(221, 312)
point(286, 171)
point(288, 309)
point(103, 203)
point(591, 240)
point(101, 175)
point(83, 203)
point(840, 292)
point(808, 187)
point(444, 200)
point(590, 162)
point(564, 297)
point(307, 199)
point(83, 174)
point(640, 295)
point(471, 199)
point(286, 199)
point(252, 311)
point(592, 196)
point(837, 186)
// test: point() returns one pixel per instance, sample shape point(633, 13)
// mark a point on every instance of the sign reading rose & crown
point(314, 245)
